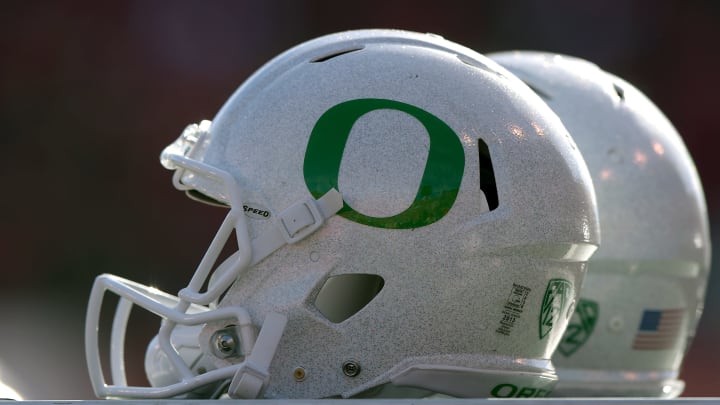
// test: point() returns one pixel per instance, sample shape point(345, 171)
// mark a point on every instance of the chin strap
point(253, 375)
point(295, 223)
point(292, 224)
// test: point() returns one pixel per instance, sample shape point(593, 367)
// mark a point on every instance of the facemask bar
point(294, 224)
point(184, 310)
point(167, 307)
point(191, 144)
point(174, 157)
point(189, 308)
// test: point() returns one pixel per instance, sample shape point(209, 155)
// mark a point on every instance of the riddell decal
point(580, 328)
point(256, 211)
point(555, 304)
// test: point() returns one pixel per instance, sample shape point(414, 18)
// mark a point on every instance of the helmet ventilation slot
point(335, 54)
point(344, 295)
point(619, 91)
point(487, 175)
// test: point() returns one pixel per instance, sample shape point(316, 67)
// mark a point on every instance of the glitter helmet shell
point(453, 262)
point(644, 291)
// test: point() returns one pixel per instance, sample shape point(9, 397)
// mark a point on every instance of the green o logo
point(441, 178)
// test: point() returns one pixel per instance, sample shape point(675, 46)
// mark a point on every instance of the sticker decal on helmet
point(508, 390)
point(659, 329)
point(513, 308)
point(555, 303)
point(580, 328)
point(256, 211)
point(440, 181)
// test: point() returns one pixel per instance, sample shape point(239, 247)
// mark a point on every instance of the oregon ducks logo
point(580, 328)
point(440, 181)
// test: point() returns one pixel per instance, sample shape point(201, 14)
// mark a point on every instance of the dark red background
point(90, 92)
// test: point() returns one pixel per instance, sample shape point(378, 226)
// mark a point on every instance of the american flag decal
point(659, 329)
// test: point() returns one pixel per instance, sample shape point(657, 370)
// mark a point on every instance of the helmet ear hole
point(343, 295)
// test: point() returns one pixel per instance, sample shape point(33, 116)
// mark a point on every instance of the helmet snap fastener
point(351, 368)
point(225, 343)
point(299, 374)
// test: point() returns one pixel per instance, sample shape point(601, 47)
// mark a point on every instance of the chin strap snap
point(253, 375)
point(292, 225)
point(295, 223)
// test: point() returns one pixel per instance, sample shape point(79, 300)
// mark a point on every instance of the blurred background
point(90, 92)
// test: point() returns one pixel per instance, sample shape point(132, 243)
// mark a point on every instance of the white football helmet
point(8, 393)
point(410, 219)
point(644, 291)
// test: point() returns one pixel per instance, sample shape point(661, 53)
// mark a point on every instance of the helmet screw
point(299, 374)
point(225, 343)
point(351, 368)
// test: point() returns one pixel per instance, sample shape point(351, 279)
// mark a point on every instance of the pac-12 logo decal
point(580, 328)
point(440, 182)
point(555, 304)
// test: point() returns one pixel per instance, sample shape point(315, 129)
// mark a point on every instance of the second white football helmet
point(644, 291)
point(410, 219)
